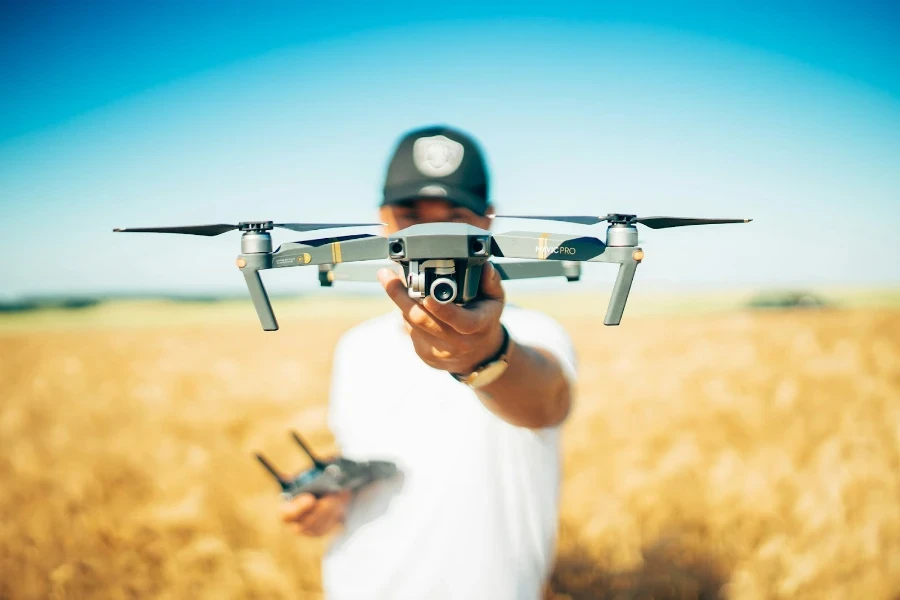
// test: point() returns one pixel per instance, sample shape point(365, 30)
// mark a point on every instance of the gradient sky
point(130, 114)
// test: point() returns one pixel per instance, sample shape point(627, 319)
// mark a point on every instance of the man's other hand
point(448, 336)
point(315, 517)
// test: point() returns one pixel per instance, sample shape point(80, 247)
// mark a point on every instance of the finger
point(430, 347)
point(466, 319)
point(396, 289)
point(478, 315)
point(491, 283)
point(412, 311)
point(341, 513)
point(317, 520)
point(294, 509)
point(420, 318)
point(324, 525)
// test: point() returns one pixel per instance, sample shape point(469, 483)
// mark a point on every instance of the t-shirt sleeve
point(534, 328)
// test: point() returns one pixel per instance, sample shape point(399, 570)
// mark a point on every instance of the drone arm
point(557, 247)
point(628, 258)
point(250, 265)
point(362, 271)
point(529, 269)
point(518, 269)
point(331, 251)
point(260, 300)
point(311, 252)
point(546, 246)
point(620, 292)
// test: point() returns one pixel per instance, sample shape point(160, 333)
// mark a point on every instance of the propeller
point(218, 229)
point(651, 222)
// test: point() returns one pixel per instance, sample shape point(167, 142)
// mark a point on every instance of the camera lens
point(444, 290)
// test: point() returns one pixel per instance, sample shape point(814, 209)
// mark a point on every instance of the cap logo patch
point(433, 190)
point(437, 156)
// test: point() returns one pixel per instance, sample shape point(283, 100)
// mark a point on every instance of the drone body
point(444, 260)
point(329, 476)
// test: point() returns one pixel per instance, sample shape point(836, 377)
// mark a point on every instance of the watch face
point(489, 374)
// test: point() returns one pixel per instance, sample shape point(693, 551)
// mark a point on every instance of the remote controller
point(329, 476)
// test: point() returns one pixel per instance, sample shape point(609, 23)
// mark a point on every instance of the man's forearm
point(533, 392)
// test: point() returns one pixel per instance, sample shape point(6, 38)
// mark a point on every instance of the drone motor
point(256, 242)
point(621, 235)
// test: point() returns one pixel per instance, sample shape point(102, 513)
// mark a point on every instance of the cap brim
point(438, 191)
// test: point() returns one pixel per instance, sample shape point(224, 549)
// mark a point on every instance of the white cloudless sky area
point(574, 119)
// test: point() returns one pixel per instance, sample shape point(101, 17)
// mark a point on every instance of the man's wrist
point(502, 348)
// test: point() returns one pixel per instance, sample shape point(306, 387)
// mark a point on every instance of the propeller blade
point(651, 222)
point(581, 220)
point(665, 222)
point(207, 230)
point(340, 238)
point(210, 230)
point(314, 226)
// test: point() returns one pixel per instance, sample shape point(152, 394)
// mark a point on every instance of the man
point(473, 513)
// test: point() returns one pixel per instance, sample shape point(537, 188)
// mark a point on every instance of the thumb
point(385, 276)
point(491, 286)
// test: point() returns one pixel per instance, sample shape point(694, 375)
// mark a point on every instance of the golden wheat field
point(731, 454)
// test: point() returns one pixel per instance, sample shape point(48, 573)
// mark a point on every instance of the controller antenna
point(281, 480)
point(320, 464)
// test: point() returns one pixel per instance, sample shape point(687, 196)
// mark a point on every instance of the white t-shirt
point(474, 511)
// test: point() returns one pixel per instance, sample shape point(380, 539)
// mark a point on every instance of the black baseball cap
point(438, 162)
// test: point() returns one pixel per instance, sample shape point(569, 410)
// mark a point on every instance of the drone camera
point(444, 290)
point(433, 277)
point(479, 248)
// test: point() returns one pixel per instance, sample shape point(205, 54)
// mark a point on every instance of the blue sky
point(135, 114)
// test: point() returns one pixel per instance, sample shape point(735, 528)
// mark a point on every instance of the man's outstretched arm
point(534, 391)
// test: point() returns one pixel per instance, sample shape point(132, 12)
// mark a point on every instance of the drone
point(329, 476)
point(443, 260)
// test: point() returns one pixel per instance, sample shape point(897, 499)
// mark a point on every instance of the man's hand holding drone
point(447, 336)
point(533, 392)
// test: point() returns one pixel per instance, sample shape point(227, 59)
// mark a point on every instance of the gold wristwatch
point(491, 369)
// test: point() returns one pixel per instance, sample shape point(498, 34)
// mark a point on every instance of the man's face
point(429, 210)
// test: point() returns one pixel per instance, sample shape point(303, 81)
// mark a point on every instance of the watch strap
point(504, 348)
